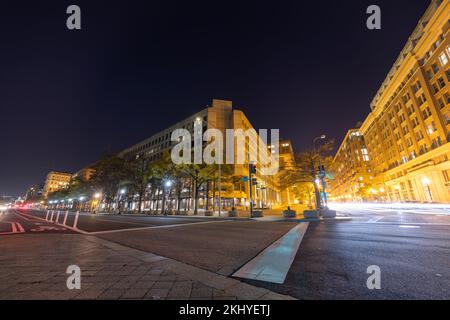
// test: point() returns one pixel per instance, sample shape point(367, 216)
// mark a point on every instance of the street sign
point(244, 179)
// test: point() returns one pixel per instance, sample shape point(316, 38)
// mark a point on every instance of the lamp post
point(313, 172)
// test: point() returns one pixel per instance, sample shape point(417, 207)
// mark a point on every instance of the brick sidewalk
point(34, 266)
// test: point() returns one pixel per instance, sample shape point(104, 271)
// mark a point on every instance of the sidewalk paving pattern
point(34, 267)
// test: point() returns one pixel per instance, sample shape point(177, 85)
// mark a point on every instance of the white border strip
point(273, 264)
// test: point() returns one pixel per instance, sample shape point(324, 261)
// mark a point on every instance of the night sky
point(67, 97)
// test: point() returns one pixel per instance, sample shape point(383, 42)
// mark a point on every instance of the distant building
point(287, 163)
point(84, 174)
point(220, 115)
point(352, 175)
point(56, 181)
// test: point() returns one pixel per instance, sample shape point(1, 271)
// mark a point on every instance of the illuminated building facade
point(287, 162)
point(353, 177)
point(407, 131)
point(56, 181)
point(220, 115)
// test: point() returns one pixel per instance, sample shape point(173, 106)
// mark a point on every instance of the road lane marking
point(375, 219)
point(63, 227)
point(273, 264)
point(13, 227)
point(19, 226)
point(156, 227)
point(408, 226)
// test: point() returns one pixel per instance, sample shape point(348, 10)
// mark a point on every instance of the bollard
point(51, 217)
point(65, 217)
point(57, 217)
point(75, 222)
point(46, 216)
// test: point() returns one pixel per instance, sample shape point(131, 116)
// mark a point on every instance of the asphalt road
point(411, 246)
point(92, 223)
point(412, 249)
point(14, 222)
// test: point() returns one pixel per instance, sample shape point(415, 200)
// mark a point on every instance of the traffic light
point(252, 168)
point(254, 182)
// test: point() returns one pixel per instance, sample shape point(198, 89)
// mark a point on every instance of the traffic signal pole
point(251, 170)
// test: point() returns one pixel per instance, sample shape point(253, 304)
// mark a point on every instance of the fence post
point(57, 217)
point(46, 216)
point(75, 222)
point(65, 217)
point(51, 217)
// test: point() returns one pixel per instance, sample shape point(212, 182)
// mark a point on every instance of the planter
point(311, 214)
point(326, 213)
point(232, 214)
point(257, 214)
point(289, 214)
point(209, 213)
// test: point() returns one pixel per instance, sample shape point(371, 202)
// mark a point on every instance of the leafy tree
point(304, 170)
point(110, 172)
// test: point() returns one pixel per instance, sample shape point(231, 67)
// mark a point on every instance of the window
point(435, 88)
point(435, 68)
point(446, 175)
point(416, 86)
point(447, 98)
point(441, 83)
point(443, 59)
point(365, 154)
point(415, 122)
point(426, 113)
point(431, 128)
point(447, 118)
point(421, 100)
point(441, 103)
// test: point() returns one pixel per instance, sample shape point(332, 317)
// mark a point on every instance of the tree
point(110, 172)
point(303, 171)
point(199, 174)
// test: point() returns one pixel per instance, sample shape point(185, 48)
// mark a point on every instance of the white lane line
point(273, 264)
point(157, 227)
point(375, 219)
point(66, 227)
point(19, 226)
point(412, 223)
point(409, 227)
point(13, 227)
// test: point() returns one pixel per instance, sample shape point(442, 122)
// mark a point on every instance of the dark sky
point(66, 97)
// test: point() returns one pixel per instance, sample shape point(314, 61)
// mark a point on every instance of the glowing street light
point(97, 195)
point(123, 191)
point(168, 183)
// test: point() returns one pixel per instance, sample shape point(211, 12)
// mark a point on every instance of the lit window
point(443, 59)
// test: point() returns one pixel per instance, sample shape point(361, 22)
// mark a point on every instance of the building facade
point(56, 181)
point(352, 174)
point(407, 130)
point(222, 116)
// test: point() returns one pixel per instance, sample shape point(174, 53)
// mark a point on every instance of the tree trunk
point(196, 198)
point(214, 196)
point(180, 186)
point(207, 196)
